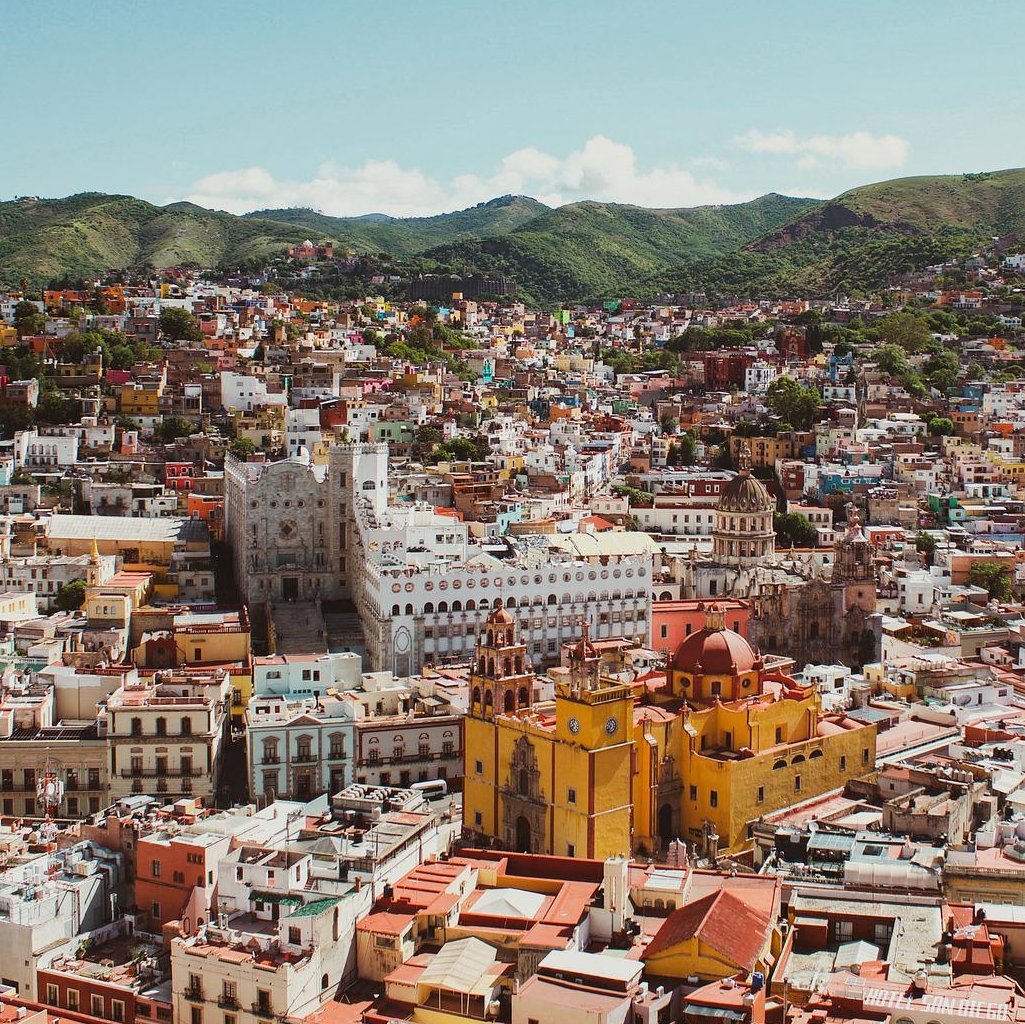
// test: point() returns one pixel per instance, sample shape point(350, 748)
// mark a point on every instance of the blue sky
point(419, 107)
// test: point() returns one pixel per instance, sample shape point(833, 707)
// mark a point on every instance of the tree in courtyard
point(242, 448)
point(793, 528)
point(71, 596)
point(993, 577)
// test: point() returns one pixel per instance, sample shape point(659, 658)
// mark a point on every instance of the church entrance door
point(665, 824)
point(523, 844)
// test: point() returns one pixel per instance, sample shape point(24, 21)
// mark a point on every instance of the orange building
point(175, 877)
point(673, 621)
point(209, 509)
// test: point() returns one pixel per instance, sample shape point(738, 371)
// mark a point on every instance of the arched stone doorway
point(523, 844)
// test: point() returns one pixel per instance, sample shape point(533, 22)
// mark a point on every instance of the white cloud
point(601, 169)
point(861, 150)
point(712, 162)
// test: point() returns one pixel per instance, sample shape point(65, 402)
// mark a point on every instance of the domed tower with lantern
point(500, 681)
point(743, 534)
point(715, 663)
point(754, 740)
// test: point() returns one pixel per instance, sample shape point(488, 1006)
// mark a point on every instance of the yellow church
point(610, 768)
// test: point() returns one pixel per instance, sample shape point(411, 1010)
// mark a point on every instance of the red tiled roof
point(721, 920)
point(385, 923)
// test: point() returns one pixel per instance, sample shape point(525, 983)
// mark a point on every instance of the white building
point(50, 902)
point(245, 392)
point(759, 375)
point(302, 430)
point(298, 749)
point(33, 450)
point(307, 532)
point(304, 675)
point(407, 731)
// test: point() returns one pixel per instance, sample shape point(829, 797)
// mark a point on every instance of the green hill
point(406, 236)
point(588, 249)
point(90, 233)
point(771, 245)
point(864, 237)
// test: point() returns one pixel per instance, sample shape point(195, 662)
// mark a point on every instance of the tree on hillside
point(683, 451)
point(179, 325)
point(906, 329)
point(173, 427)
point(942, 370)
point(54, 408)
point(425, 439)
point(891, 359)
point(925, 543)
point(941, 426)
point(468, 448)
point(993, 577)
point(28, 319)
point(14, 417)
point(792, 402)
point(424, 314)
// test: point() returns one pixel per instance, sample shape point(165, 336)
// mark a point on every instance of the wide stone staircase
point(344, 632)
point(298, 628)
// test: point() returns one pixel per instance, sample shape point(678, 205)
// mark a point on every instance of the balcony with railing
point(413, 758)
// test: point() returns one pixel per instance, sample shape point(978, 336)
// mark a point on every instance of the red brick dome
point(715, 652)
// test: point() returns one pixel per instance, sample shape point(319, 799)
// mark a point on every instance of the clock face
point(611, 726)
point(574, 726)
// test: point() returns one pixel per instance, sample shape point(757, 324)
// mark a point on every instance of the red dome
point(715, 652)
point(500, 617)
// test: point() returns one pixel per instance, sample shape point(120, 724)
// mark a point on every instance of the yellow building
point(144, 545)
point(764, 452)
point(139, 399)
point(552, 777)
point(592, 773)
point(743, 742)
